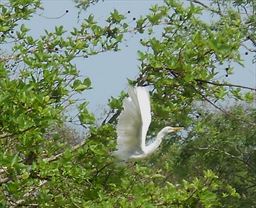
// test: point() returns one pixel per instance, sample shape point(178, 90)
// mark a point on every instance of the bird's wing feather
point(133, 123)
point(145, 111)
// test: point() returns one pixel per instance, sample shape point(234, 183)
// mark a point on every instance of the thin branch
point(209, 101)
point(212, 103)
point(4, 180)
point(114, 117)
point(50, 159)
point(55, 157)
point(16, 133)
point(252, 186)
point(225, 84)
point(252, 40)
point(107, 116)
point(101, 169)
point(228, 154)
point(207, 7)
point(219, 108)
point(31, 192)
point(247, 48)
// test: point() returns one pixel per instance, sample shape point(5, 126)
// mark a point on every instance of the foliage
point(40, 163)
point(226, 145)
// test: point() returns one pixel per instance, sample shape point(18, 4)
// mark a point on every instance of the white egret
point(133, 124)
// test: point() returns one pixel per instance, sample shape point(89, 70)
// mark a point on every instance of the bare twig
point(4, 180)
point(107, 116)
point(55, 157)
point(213, 104)
point(228, 154)
point(209, 101)
point(252, 40)
point(32, 191)
point(219, 108)
point(225, 84)
point(16, 133)
point(207, 7)
point(248, 49)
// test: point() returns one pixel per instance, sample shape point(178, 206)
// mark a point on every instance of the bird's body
point(133, 124)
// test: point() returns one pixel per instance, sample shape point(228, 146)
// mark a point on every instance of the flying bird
point(133, 124)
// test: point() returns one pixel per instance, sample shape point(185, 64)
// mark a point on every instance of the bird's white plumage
point(133, 123)
point(145, 113)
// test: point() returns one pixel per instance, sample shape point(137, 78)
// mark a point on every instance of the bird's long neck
point(155, 144)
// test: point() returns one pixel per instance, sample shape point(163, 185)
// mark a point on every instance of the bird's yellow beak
point(176, 128)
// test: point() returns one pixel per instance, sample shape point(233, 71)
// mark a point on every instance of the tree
point(226, 145)
point(39, 82)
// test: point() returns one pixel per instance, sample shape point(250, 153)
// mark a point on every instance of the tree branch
point(55, 157)
point(16, 133)
point(208, 100)
point(4, 180)
point(31, 192)
point(207, 7)
point(252, 40)
point(225, 84)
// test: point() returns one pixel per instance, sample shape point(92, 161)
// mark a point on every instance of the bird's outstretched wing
point(133, 123)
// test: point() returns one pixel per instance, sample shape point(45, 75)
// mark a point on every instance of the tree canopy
point(44, 163)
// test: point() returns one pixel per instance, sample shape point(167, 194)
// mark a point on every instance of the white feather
point(133, 124)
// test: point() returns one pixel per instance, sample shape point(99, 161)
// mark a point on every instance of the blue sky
point(109, 71)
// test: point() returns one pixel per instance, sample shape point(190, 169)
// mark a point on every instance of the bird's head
point(166, 130)
point(169, 129)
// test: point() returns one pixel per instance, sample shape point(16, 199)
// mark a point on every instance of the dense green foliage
point(226, 146)
point(42, 163)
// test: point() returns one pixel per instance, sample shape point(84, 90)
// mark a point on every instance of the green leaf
point(80, 86)
point(23, 28)
point(14, 160)
point(86, 117)
point(116, 17)
point(249, 97)
point(4, 28)
point(59, 30)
